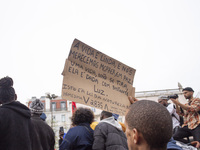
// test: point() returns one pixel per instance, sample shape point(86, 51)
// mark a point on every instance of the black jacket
point(43, 135)
point(108, 137)
point(15, 127)
point(79, 137)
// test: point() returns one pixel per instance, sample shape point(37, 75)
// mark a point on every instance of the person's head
point(163, 100)
point(37, 107)
point(7, 92)
point(188, 92)
point(82, 115)
point(105, 114)
point(148, 124)
point(61, 132)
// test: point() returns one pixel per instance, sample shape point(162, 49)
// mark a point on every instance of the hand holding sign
point(132, 99)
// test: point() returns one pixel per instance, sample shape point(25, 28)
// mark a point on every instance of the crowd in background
point(148, 125)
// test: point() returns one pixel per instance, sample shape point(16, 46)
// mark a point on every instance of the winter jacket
point(108, 135)
point(44, 138)
point(78, 138)
point(15, 127)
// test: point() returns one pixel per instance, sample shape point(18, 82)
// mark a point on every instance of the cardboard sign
point(95, 79)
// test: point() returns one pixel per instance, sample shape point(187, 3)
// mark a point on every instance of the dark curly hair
point(82, 115)
point(7, 92)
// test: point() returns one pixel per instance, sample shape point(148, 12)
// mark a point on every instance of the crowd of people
point(148, 125)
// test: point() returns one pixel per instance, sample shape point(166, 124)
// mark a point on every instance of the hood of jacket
point(18, 108)
point(112, 121)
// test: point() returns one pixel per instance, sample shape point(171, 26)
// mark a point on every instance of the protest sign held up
point(95, 79)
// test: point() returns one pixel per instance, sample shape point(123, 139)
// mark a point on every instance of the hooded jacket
point(44, 138)
point(15, 127)
point(108, 135)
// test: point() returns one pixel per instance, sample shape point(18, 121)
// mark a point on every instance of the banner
point(92, 78)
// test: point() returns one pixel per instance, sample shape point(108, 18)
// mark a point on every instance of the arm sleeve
point(170, 108)
point(179, 110)
point(68, 141)
point(99, 139)
point(195, 107)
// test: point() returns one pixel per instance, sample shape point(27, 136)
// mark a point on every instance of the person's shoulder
point(73, 130)
point(107, 126)
point(196, 100)
point(38, 120)
point(76, 129)
point(4, 109)
point(102, 125)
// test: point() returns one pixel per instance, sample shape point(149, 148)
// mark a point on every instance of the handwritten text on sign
point(95, 79)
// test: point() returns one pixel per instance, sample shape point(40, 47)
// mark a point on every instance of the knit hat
point(163, 97)
point(37, 107)
point(116, 116)
point(188, 89)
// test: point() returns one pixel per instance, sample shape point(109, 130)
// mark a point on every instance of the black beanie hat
point(188, 89)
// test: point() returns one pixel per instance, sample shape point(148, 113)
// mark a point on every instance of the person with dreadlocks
point(15, 123)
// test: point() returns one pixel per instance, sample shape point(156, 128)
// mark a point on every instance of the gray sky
point(160, 39)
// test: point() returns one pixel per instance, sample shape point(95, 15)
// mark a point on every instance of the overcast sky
point(160, 39)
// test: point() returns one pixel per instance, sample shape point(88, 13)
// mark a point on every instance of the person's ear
point(101, 117)
point(15, 97)
point(135, 136)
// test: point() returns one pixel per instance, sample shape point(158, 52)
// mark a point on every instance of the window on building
point(53, 106)
point(63, 105)
point(63, 118)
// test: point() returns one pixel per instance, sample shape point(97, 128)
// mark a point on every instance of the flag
point(73, 107)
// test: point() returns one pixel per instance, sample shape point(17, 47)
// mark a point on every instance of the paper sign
point(95, 79)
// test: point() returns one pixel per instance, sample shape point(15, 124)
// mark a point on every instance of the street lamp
point(51, 97)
